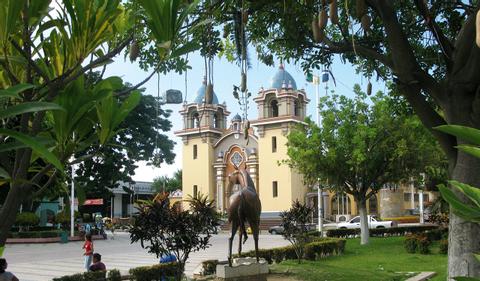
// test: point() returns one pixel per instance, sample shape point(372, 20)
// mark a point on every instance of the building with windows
point(213, 148)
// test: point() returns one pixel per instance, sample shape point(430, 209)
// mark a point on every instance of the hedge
point(155, 272)
point(144, 273)
point(87, 276)
point(382, 232)
point(319, 247)
point(36, 234)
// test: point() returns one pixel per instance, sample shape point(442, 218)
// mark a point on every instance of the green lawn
point(382, 259)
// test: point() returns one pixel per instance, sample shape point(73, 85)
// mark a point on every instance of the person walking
point(88, 254)
point(5, 275)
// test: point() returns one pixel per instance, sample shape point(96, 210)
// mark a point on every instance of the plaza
point(42, 262)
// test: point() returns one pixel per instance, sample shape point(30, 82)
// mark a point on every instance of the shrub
point(294, 223)
point(162, 229)
point(27, 219)
point(209, 267)
point(443, 246)
point(410, 244)
point(423, 244)
point(343, 233)
point(87, 276)
point(155, 272)
point(35, 234)
point(324, 248)
point(437, 234)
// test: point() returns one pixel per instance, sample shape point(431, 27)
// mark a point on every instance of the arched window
point(373, 205)
point(216, 123)
point(274, 108)
point(296, 109)
point(196, 120)
point(341, 204)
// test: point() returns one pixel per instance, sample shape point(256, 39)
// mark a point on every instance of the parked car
point(373, 222)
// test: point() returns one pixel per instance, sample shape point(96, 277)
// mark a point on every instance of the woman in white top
point(5, 275)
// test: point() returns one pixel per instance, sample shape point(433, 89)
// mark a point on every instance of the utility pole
point(316, 82)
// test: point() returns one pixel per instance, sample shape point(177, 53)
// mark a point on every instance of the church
point(213, 147)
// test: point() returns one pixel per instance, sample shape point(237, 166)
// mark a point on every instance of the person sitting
point(98, 265)
point(5, 275)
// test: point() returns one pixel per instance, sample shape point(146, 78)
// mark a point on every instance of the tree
point(139, 138)
point(427, 48)
point(295, 226)
point(167, 184)
point(48, 112)
point(168, 230)
point(360, 148)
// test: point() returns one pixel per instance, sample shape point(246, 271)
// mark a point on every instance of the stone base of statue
point(243, 269)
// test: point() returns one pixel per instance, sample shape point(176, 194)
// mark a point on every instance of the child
point(88, 246)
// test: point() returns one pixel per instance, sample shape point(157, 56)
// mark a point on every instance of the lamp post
point(420, 198)
point(72, 204)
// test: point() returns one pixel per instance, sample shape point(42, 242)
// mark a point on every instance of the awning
point(93, 202)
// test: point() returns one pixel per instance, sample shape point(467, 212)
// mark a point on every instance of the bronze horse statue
point(244, 207)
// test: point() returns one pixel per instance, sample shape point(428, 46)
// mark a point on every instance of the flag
point(316, 80)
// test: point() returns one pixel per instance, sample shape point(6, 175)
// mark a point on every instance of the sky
point(226, 74)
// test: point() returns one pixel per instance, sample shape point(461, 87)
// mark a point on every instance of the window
point(407, 197)
point(296, 109)
point(275, 188)
point(355, 220)
point(195, 191)
point(196, 120)
point(415, 197)
point(274, 108)
point(426, 198)
point(195, 151)
point(372, 204)
point(274, 144)
point(216, 123)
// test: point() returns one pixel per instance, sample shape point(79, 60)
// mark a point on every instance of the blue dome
point(236, 118)
point(201, 94)
point(282, 77)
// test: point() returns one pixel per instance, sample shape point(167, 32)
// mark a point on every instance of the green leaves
point(14, 91)
point(27, 107)
point(1, 250)
point(459, 207)
point(9, 15)
point(36, 146)
point(165, 18)
point(466, 133)
point(470, 210)
point(110, 115)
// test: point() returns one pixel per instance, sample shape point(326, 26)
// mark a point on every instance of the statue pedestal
point(243, 269)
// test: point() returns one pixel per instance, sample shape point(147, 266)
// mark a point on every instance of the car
point(373, 222)
point(278, 229)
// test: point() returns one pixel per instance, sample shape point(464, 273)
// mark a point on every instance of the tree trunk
point(9, 210)
point(364, 232)
point(463, 236)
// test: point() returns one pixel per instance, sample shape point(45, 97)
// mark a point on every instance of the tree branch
point(46, 185)
point(445, 44)
point(30, 62)
point(127, 91)
point(65, 78)
point(429, 117)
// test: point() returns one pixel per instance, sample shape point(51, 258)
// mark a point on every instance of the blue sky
point(225, 75)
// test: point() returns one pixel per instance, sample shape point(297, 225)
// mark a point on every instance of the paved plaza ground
point(42, 262)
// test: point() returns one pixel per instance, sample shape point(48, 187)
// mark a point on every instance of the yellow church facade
point(213, 147)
